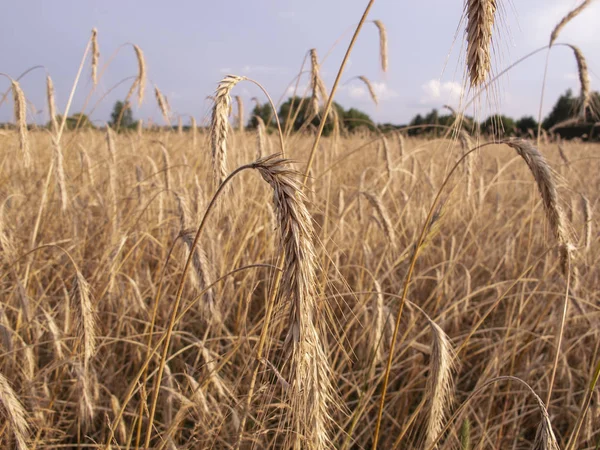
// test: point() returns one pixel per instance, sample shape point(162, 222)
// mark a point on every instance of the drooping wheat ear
point(372, 92)
point(60, 173)
point(546, 184)
point(383, 44)
point(162, 104)
point(110, 145)
point(240, 108)
point(14, 413)
point(316, 85)
point(51, 104)
point(20, 111)
point(141, 78)
point(565, 20)
point(480, 23)
point(584, 80)
point(387, 156)
point(545, 438)
point(439, 383)
point(95, 56)
point(261, 137)
point(86, 317)
point(311, 394)
point(194, 127)
point(383, 217)
point(587, 220)
point(219, 126)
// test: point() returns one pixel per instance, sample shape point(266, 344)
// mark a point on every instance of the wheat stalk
point(95, 56)
point(565, 20)
point(480, 23)
point(383, 44)
point(194, 127)
point(14, 413)
point(220, 126)
point(20, 111)
point(60, 173)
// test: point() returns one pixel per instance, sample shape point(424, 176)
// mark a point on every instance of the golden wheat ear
point(565, 20)
point(481, 15)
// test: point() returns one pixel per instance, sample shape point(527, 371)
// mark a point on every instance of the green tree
point(77, 120)
point(265, 112)
point(526, 123)
point(300, 111)
point(354, 119)
point(563, 109)
point(122, 116)
point(499, 125)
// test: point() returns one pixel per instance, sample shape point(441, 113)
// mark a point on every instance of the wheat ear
point(14, 413)
point(383, 217)
point(162, 104)
point(95, 56)
point(480, 23)
point(565, 20)
point(219, 127)
point(20, 111)
point(51, 104)
point(311, 393)
point(141, 78)
point(584, 80)
point(372, 92)
point(383, 44)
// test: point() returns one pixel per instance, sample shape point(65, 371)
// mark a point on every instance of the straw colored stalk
point(310, 394)
point(383, 44)
point(179, 125)
point(20, 111)
point(372, 92)
point(95, 56)
point(141, 78)
point(219, 127)
point(387, 156)
point(480, 23)
point(565, 20)
point(13, 413)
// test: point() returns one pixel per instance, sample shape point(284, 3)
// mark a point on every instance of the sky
point(190, 45)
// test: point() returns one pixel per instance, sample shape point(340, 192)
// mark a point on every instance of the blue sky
point(190, 45)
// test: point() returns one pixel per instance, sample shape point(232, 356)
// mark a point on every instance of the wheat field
point(194, 288)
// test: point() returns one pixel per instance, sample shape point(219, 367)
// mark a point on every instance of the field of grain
point(201, 288)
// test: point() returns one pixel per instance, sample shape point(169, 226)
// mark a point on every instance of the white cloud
point(302, 89)
point(436, 92)
point(359, 91)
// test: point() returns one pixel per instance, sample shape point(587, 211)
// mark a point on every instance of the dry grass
point(272, 329)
